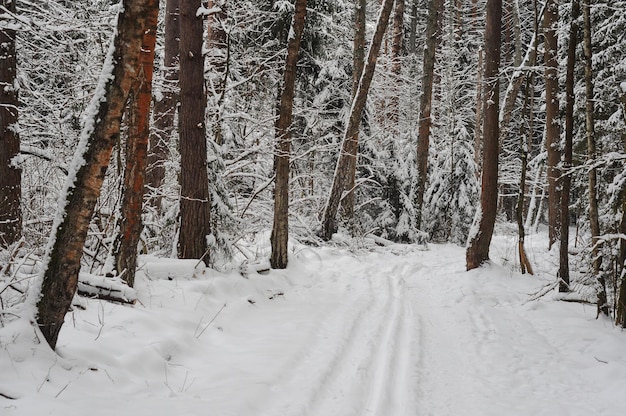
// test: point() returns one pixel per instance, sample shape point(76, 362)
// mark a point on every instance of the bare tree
point(425, 121)
point(480, 237)
point(217, 66)
point(195, 202)
point(280, 229)
point(329, 218)
point(10, 173)
point(100, 133)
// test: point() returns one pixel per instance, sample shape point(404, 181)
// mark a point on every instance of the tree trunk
point(479, 114)
point(480, 239)
point(567, 150)
point(10, 173)
point(329, 219)
point(412, 47)
point(594, 219)
point(164, 106)
point(280, 229)
point(425, 121)
point(195, 202)
point(358, 61)
point(620, 315)
point(131, 224)
point(101, 132)
point(217, 63)
point(550, 23)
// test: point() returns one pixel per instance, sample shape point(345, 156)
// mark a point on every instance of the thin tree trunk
point(217, 63)
point(525, 142)
point(479, 114)
point(480, 240)
point(620, 315)
point(164, 106)
point(131, 224)
point(101, 132)
point(10, 173)
point(358, 61)
point(567, 150)
point(550, 23)
point(412, 47)
point(517, 80)
point(425, 121)
point(280, 228)
point(329, 218)
point(594, 218)
point(195, 202)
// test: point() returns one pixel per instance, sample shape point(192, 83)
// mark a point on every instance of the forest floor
point(401, 330)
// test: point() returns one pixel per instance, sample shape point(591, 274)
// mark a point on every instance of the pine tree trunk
point(567, 150)
point(164, 106)
point(131, 223)
point(358, 61)
point(217, 63)
point(10, 174)
point(195, 202)
point(479, 115)
point(425, 121)
point(479, 242)
point(280, 228)
point(329, 219)
point(101, 132)
point(550, 23)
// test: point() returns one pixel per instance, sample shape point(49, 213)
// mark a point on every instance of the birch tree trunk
point(195, 201)
point(480, 238)
point(329, 218)
point(280, 229)
point(10, 174)
point(100, 133)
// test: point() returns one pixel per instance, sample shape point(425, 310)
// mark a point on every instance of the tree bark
point(101, 132)
point(10, 173)
point(358, 61)
point(480, 240)
point(425, 121)
point(280, 229)
point(329, 218)
point(164, 106)
point(131, 223)
point(195, 202)
point(567, 150)
point(550, 23)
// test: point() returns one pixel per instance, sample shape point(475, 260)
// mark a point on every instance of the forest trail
point(394, 331)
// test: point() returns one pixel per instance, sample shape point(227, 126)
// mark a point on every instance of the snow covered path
point(392, 332)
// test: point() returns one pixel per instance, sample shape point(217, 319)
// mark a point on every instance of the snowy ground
point(387, 331)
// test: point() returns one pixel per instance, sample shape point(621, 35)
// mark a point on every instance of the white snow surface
point(386, 331)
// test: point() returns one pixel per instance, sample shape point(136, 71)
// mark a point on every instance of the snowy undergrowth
point(348, 330)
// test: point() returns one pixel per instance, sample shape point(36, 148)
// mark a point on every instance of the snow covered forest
point(330, 198)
